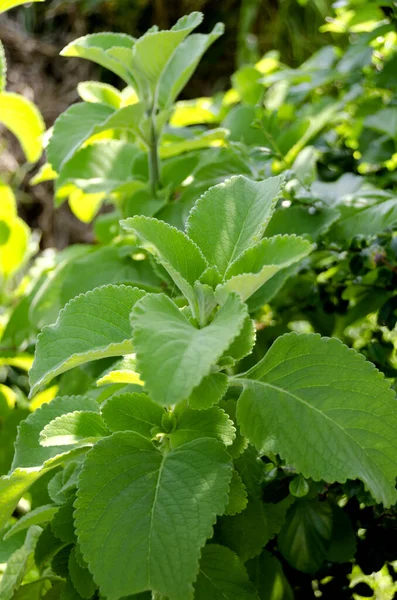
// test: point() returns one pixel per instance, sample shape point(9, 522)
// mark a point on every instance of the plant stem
point(154, 161)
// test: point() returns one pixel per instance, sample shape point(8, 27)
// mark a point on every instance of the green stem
point(154, 160)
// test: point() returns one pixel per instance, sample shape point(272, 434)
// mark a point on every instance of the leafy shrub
point(212, 433)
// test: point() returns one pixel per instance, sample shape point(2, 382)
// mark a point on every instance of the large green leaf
point(222, 576)
point(97, 47)
point(259, 263)
point(149, 513)
point(325, 410)
point(177, 253)
point(232, 216)
point(183, 64)
point(153, 51)
point(93, 325)
point(24, 120)
point(174, 356)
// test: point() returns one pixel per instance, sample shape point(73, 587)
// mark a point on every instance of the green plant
point(205, 440)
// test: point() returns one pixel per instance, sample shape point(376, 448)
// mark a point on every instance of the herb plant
point(206, 441)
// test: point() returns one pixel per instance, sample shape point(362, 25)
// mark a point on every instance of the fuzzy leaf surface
point(177, 253)
point(232, 216)
point(142, 502)
point(210, 423)
point(259, 263)
point(173, 356)
point(93, 325)
point(78, 427)
point(132, 412)
point(347, 407)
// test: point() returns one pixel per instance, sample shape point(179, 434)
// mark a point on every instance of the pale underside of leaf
point(78, 427)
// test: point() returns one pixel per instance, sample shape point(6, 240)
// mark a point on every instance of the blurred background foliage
point(34, 35)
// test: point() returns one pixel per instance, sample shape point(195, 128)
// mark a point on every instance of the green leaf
point(383, 121)
point(178, 254)
point(96, 91)
point(173, 356)
point(237, 496)
point(266, 572)
point(170, 147)
point(28, 451)
point(96, 47)
point(72, 128)
point(78, 427)
point(299, 487)
point(232, 216)
point(347, 407)
point(93, 325)
point(210, 423)
point(69, 592)
point(86, 271)
point(24, 120)
point(259, 263)
point(247, 532)
point(18, 564)
point(80, 576)
point(63, 523)
point(301, 221)
point(3, 68)
point(12, 487)
point(149, 502)
point(305, 537)
point(38, 516)
point(47, 547)
point(183, 63)
point(222, 576)
point(244, 342)
point(209, 392)
point(367, 221)
point(153, 51)
point(343, 543)
point(8, 4)
point(100, 167)
point(132, 412)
